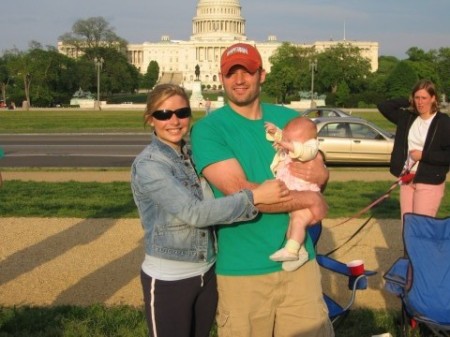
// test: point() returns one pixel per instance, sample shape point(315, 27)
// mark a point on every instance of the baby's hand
point(288, 146)
point(270, 128)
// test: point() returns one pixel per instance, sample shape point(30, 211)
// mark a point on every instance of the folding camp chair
point(336, 311)
point(421, 279)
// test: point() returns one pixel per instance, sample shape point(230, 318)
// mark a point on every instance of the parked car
point(353, 140)
point(324, 112)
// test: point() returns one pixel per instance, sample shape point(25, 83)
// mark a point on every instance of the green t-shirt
point(244, 248)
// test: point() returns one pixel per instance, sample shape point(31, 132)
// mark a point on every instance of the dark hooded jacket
point(434, 165)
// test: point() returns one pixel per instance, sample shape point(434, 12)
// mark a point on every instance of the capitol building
point(216, 25)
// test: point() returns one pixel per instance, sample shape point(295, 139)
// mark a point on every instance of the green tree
point(151, 76)
point(342, 63)
point(416, 54)
point(117, 75)
point(5, 77)
point(424, 64)
point(401, 80)
point(342, 94)
point(289, 71)
point(93, 32)
point(377, 80)
point(20, 65)
point(443, 69)
point(43, 77)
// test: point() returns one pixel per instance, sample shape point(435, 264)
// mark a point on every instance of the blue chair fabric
point(421, 279)
point(337, 311)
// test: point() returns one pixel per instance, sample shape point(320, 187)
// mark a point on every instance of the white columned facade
point(216, 25)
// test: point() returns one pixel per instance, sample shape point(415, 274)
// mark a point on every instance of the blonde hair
point(159, 95)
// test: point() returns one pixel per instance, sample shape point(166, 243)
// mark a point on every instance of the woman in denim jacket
point(177, 275)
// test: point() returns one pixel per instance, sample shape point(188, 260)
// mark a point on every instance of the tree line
point(42, 77)
point(344, 76)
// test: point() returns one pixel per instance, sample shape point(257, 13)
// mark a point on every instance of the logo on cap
point(240, 54)
point(237, 49)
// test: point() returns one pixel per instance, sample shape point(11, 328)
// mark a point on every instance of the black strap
point(351, 237)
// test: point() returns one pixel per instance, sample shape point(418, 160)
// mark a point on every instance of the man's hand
point(313, 171)
point(318, 208)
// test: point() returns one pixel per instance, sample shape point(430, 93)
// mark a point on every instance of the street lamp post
point(313, 67)
point(98, 65)
point(27, 90)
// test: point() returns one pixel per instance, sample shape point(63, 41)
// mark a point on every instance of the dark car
point(324, 112)
point(353, 140)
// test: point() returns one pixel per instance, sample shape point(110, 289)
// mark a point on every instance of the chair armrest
point(337, 266)
point(332, 264)
point(397, 276)
point(354, 282)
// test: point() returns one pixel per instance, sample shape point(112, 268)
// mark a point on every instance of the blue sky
point(396, 24)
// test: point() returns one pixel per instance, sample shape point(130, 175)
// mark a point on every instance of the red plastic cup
point(356, 267)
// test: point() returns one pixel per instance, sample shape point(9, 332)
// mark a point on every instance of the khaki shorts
point(281, 304)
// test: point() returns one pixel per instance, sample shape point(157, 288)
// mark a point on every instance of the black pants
point(184, 308)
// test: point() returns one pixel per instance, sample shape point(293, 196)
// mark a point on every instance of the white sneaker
point(283, 255)
point(294, 265)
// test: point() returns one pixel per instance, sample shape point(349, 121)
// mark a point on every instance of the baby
point(297, 142)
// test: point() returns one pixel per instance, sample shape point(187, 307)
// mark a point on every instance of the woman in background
point(421, 153)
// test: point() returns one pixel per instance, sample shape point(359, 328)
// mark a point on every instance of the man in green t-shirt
point(256, 297)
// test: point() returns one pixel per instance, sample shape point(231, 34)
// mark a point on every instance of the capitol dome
point(218, 19)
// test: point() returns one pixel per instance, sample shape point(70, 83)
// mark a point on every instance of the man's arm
point(229, 177)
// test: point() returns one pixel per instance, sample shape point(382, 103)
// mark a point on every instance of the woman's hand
point(271, 192)
point(415, 155)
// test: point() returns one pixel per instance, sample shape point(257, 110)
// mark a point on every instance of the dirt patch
point(53, 261)
point(107, 176)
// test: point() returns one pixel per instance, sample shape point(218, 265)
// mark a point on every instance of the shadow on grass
point(80, 200)
point(365, 322)
point(56, 321)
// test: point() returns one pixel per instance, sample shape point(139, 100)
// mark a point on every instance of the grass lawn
point(114, 200)
point(125, 321)
point(87, 200)
point(77, 120)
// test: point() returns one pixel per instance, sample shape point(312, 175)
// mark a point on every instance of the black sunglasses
point(165, 115)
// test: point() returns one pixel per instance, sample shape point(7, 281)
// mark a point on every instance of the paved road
point(100, 151)
point(71, 150)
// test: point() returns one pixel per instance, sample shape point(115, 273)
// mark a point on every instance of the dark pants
point(184, 308)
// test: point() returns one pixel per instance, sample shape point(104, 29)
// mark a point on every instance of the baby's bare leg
point(296, 235)
point(299, 220)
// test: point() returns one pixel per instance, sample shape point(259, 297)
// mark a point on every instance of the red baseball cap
point(241, 54)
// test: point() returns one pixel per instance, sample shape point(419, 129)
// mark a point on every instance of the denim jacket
point(173, 212)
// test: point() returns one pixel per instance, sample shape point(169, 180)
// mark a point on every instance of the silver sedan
point(324, 112)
